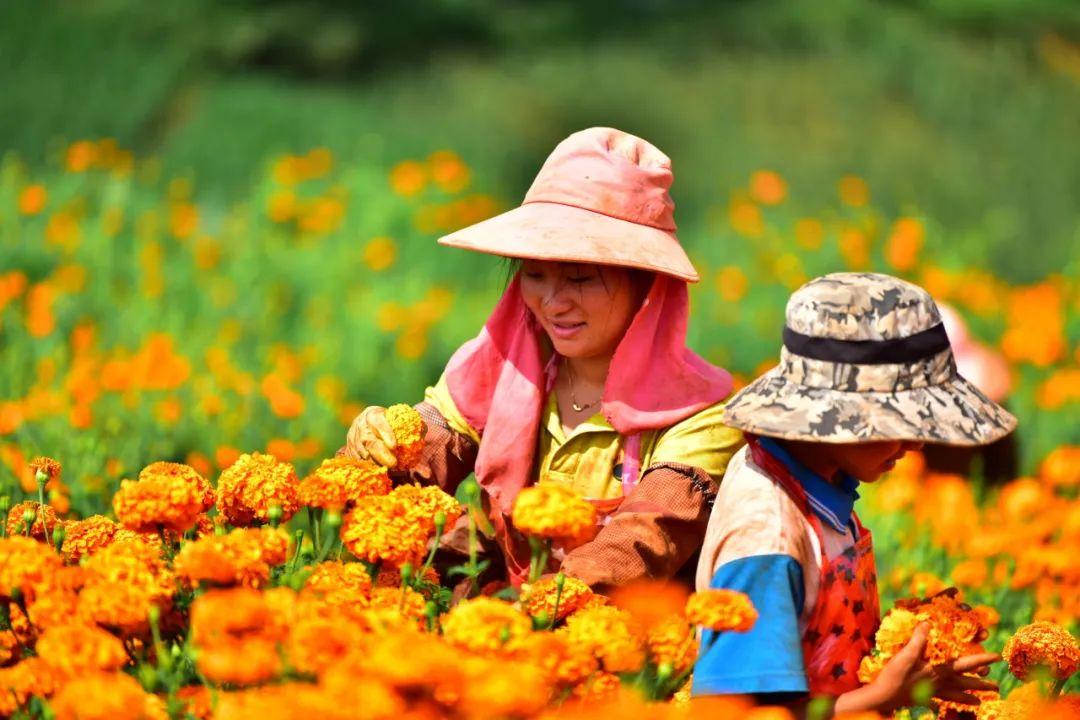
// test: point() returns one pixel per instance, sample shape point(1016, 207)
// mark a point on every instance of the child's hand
point(897, 682)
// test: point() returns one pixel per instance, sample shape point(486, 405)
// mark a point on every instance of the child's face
point(869, 461)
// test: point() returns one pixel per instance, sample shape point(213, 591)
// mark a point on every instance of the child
point(866, 374)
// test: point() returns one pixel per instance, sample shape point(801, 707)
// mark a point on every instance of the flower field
point(191, 367)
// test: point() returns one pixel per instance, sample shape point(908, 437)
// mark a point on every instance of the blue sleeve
point(768, 658)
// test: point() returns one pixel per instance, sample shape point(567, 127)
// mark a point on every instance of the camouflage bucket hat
point(866, 358)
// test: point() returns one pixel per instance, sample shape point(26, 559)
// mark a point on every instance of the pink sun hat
point(601, 197)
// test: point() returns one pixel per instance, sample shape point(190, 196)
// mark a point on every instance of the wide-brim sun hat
point(866, 358)
point(601, 197)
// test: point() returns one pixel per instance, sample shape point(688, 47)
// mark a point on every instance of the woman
point(581, 375)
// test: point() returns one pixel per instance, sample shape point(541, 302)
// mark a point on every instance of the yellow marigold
point(28, 678)
point(73, 650)
point(554, 511)
point(895, 630)
point(409, 433)
point(540, 600)
point(484, 624)
point(244, 556)
point(610, 634)
point(383, 528)
point(673, 641)
point(166, 496)
point(44, 517)
point(1042, 644)
point(721, 610)
point(25, 565)
point(106, 696)
point(255, 483)
point(340, 481)
point(86, 537)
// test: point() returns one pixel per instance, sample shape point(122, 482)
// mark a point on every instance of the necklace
point(573, 400)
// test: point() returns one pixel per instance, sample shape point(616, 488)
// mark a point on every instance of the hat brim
point(564, 233)
point(950, 413)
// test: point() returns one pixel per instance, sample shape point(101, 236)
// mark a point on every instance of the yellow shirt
point(585, 459)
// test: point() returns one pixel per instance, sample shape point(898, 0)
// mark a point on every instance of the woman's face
point(585, 309)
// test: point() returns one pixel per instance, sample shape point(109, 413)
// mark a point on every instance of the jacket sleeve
point(653, 533)
point(448, 457)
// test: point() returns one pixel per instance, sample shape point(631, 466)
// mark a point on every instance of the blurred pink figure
point(988, 371)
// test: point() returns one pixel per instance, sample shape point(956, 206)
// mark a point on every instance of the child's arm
point(896, 684)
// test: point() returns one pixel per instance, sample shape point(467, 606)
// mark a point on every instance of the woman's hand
point(896, 685)
point(371, 437)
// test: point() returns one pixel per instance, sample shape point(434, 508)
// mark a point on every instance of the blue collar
point(833, 502)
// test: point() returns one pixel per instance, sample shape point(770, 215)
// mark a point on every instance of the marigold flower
point(721, 610)
point(564, 662)
point(239, 613)
point(123, 581)
point(554, 511)
point(244, 556)
point(73, 650)
point(28, 678)
point(252, 485)
point(501, 688)
point(383, 528)
point(541, 598)
point(85, 537)
point(198, 701)
point(46, 465)
point(340, 481)
point(166, 496)
point(673, 641)
point(332, 576)
point(316, 643)
point(424, 502)
point(394, 609)
point(484, 624)
point(44, 518)
point(25, 565)
point(409, 433)
point(610, 634)
point(111, 696)
point(650, 601)
point(1042, 644)
point(598, 687)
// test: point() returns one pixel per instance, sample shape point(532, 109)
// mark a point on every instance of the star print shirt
point(759, 542)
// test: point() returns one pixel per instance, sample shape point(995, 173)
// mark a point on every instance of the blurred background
point(218, 219)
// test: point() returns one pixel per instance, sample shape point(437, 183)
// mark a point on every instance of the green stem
point(431, 554)
point(555, 610)
point(313, 522)
point(41, 502)
point(540, 549)
point(474, 547)
point(1055, 690)
point(298, 540)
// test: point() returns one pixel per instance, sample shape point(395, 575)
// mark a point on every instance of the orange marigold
point(564, 662)
point(31, 677)
point(253, 484)
point(424, 502)
point(554, 511)
point(1042, 644)
point(123, 581)
point(316, 643)
point(409, 433)
point(166, 496)
point(106, 696)
point(541, 598)
point(340, 481)
point(244, 556)
point(86, 537)
point(484, 624)
point(674, 642)
point(44, 517)
point(383, 528)
point(610, 634)
point(73, 650)
point(330, 577)
point(47, 466)
point(25, 565)
point(721, 610)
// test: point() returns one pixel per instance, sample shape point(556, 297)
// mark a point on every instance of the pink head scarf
point(497, 381)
